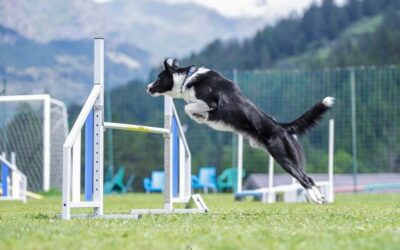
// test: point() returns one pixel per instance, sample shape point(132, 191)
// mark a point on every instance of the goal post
point(35, 127)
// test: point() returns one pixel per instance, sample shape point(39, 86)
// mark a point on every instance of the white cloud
point(124, 59)
point(102, 1)
point(270, 10)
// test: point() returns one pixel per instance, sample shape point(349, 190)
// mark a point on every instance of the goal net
point(35, 128)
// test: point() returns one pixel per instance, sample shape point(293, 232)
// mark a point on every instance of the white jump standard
point(293, 192)
point(177, 157)
point(13, 181)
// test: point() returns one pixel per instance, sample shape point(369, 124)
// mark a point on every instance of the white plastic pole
point(182, 169)
point(76, 170)
point(15, 179)
point(240, 164)
point(168, 153)
point(180, 129)
point(80, 121)
point(270, 172)
point(185, 176)
point(66, 194)
point(98, 136)
point(331, 155)
point(188, 175)
point(64, 113)
point(46, 143)
point(133, 127)
point(271, 194)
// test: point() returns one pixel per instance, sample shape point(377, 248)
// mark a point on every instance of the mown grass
point(353, 222)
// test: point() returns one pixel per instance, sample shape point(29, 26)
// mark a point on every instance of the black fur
point(307, 120)
point(228, 105)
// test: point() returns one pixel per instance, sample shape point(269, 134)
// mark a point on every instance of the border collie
point(218, 102)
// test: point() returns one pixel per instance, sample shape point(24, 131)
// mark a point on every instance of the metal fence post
point(354, 127)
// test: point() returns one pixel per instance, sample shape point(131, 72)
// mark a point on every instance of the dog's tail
point(309, 118)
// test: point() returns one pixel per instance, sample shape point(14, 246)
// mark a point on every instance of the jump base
point(196, 204)
point(139, 212)
point(106, 216)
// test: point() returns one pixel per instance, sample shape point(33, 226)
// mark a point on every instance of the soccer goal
point(35, 128)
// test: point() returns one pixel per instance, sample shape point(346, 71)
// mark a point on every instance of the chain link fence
point(366, 117)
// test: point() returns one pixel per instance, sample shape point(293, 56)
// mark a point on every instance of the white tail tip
point(328, 101)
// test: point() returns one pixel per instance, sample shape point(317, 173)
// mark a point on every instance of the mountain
point(326, 35)
point(47, 45)
point(357, 33)
point(63, 68)
point(161, 28)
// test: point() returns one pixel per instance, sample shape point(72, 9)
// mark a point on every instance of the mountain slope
point(156, 26)
point(45, 43)
point(63, 68)
point(326, 35)
point(322, 55)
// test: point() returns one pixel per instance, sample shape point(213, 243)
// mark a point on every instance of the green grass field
point(353, 222)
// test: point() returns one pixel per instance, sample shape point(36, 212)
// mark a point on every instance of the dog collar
point(192, 70)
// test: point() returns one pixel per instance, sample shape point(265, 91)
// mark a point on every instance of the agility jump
point(13, 182)
point(291, 192)
point(177, 157)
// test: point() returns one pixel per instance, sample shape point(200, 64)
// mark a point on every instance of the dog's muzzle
point(150, 90)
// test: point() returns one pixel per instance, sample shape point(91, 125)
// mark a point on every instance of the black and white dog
point(218, 102)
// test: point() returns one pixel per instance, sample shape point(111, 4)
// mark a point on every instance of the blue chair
point(228, 179)
point(155, 183)
point(206, 180)
point(115, 184)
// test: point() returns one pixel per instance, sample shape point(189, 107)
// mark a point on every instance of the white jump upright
point(13, 182)
point(291, 191)
point(177, 157)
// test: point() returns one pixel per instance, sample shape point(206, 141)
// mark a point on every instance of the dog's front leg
point(198, 111)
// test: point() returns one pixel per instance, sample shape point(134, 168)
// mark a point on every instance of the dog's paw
point(315, 196)
point(199, 116)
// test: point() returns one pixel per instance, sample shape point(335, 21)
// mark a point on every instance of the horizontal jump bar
point(137, 128)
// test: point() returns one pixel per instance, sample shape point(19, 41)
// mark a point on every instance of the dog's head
point(164, 84)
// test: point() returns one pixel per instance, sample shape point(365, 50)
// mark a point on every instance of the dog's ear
point(175, 63)
point(171, 64)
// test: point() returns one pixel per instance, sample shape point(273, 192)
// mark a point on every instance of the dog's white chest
point(189, 95)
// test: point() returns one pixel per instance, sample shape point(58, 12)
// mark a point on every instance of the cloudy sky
point(268, 9)
point(240, 8)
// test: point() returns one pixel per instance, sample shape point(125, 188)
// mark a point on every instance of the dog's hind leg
point(288, 152)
